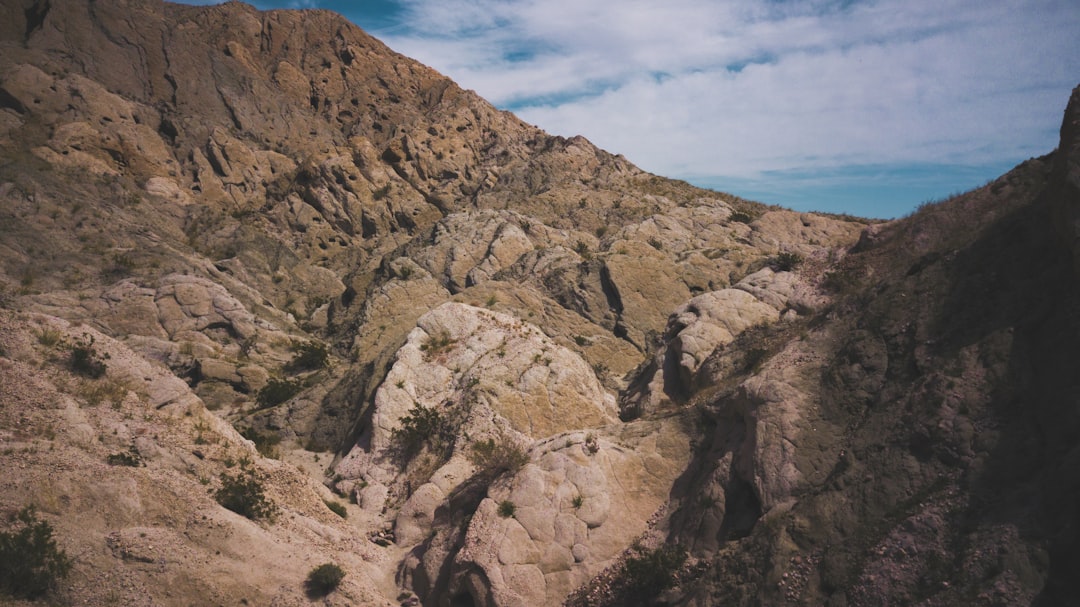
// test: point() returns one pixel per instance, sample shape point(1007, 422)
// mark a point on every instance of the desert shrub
point(85, 359)
point(323, 580)
point(111, 391)
point(31, 564)
point(754, 359)
point(266, 443)
point(48, 337)
point(437, 343)
point(244, 494)
point(578, 501)
point(786, 261)
point(277, 391)
point(493, 457)
point(842, 280)
point(337, 508)
point(130, 458)
point(741, 217)
point(647, 573)
point(308, 356)
point(507, 508)
point(422, 425)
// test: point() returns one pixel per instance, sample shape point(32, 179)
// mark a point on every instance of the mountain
point(273, 296)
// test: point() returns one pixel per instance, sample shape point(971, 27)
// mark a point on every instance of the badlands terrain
point(273, 296)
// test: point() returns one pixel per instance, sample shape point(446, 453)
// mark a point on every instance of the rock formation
point(471, 363)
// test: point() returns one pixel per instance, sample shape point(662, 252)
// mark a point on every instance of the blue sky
point(865, 107)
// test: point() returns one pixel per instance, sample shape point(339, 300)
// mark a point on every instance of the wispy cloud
point(745, 88)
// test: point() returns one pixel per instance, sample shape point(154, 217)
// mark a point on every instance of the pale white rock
point(569, 540)
point(713, 319)
point(782, 290)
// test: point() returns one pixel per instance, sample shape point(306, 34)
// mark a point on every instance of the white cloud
point(820, 84)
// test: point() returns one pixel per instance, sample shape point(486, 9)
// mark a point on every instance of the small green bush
point(277, 391)
point(437, 343)
point(786, 261)
point(31, 564)
point(493, 457)
point(129, 458)
point(48, 337)
point(649, 572)
point(308, 356)
point(323, 580)
point(754, 359)
point(578, 501)
point(337, 508)
point(266, 443)
point(507, 508)
point(85, 360)
point(423, 425)
point(244, 494)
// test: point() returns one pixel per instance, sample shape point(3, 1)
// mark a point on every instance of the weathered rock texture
point(529, 363)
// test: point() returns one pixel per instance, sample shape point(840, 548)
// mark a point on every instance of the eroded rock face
point(575, 508)
point(254, 186)
point(487, 371)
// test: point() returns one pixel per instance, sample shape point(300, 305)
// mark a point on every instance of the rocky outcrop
point(575, 508)
point(484, 373)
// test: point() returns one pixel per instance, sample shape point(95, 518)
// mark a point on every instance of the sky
point(846, 106)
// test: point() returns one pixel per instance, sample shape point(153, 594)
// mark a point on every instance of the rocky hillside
point(273, 296)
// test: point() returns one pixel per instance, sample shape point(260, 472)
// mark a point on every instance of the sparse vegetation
point(129, 458)
point(437, 344)
point(48, 337)
point(266, 443)
point(85, 360)
point(786, 261)
point(422, 426)
point(31, 563)
point(323, 580)
point(507, 508)
point(244, 494)
point(754, 359)
point(493, 456)
point(308, 356)
point(647, 573)
point(578, 501)
point(337, 508)
point(381, 193)
point(277, 391)
point(111, 391)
